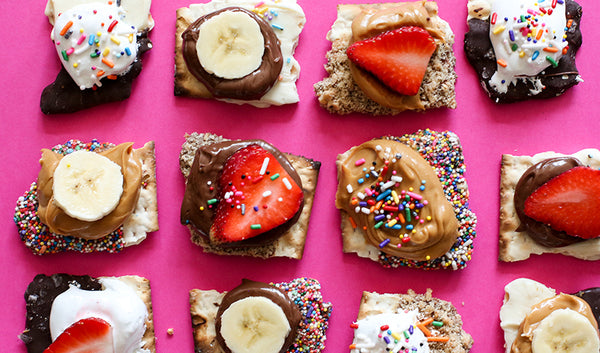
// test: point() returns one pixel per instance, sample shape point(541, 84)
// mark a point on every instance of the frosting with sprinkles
point(305, 293)
point(36, 236)
point(94, 42)
point(444, 153)
point(527, 36)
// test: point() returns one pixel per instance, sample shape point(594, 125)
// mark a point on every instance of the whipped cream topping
point(94, 41)
point(389, 332)
point(287, 19)
point(527, 36)
point(117, 303)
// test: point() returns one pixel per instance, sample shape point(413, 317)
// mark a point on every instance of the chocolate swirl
point(250, 288)
point(534, 177)
point(250, 87)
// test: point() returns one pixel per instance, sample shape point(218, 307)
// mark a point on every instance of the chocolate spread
point(540, 311)
point(429, 239)
point(249, 87)
point(59, 222)
point(39, 296)
point(592, 297)
point(371, 23)
point(250, 288)
point(202, 185)
point(534, 177)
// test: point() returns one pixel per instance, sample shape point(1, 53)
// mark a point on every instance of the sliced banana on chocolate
point(234, 53)
point(567, 331)
point(87, 186)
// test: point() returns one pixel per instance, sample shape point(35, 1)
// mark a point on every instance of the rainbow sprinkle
point(306, 294)
point(36, 236)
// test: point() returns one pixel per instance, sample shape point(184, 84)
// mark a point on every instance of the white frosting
point(117, 303)
point(520, 295)
point(137, 12)
point(287, 19)
point(370, 338)
point(527, 36)
point(94, 41)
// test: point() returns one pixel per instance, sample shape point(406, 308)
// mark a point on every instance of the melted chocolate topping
point(250, 87)
point(250, 288)
point(480, 53)
point(592, 297)
point(534, 177)
point(39, 296)
point(202, 185)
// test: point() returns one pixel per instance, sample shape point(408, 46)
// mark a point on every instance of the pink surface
point(174, 265)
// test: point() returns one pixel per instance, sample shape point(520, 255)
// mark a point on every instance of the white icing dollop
point(94, 41)
point(370, 338)
point(117, 303)
point(527, 36)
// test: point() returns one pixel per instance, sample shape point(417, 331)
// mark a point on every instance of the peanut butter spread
point(540, 311)
point(395, 197)
point(372, 22)
point(59, 222)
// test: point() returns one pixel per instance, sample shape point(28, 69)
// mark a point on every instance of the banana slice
point(567, 331)
point(87, 186)
point(230, 45)
point(254, 325)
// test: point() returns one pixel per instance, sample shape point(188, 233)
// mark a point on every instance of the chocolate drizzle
point(202, 185)
point(556, 80)
point(39, 296)
point(250, 87)
point(250, 288)
point(534, 177)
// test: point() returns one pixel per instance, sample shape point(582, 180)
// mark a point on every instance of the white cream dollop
point(116, 303)
point(527, 36)
point(370, 338)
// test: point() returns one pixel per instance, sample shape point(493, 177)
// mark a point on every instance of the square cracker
point(291, 244)
point(517, 246)
point(338, 93)
point(144, 218)
point(373, 303)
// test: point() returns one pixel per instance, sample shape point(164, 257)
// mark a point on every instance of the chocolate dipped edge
point(39, 296)
point(534, 177)
point(250, 87)
point(250, 288)
point(207, 167)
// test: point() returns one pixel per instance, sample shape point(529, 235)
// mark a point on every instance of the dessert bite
point(408, 323)
point(239, 51)
point(404, 201)
point(387, 58)
point(246, 197)
point(67, 313)
point(257, 317)
point(524, 49)
point(536, 319)
point(547, 205)
point(99, 44)
point(89, 197)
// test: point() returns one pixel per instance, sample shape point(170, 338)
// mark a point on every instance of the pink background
point(174, 265)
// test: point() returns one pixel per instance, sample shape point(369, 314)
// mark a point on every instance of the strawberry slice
point(256, 194)
point(398, 58)
point(569, 203)
point(89, 335)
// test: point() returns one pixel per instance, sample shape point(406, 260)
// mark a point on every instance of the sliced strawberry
point(398, 58)
point(569, 202)
point(251, 203)
point(89, 335)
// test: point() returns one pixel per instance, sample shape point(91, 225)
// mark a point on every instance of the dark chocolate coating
point(64, 96)
point(480, 53)
point(250, 87)
point(39, 296)
point(534, 177)
point(592, 297)
point(208, 166)
point(250, 288)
